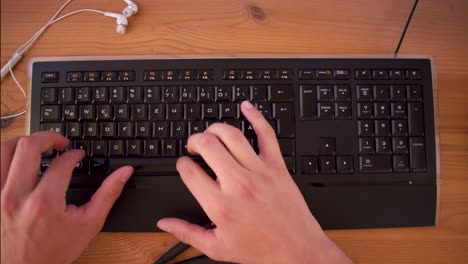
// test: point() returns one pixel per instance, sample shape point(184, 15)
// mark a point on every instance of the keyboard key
point(170, 94)
point(103, 112)
point(284, 112)
point(134, 95)
point(57, 127)
point(398, 110)
point(414, 93)
point(399, 128)
point(90, 130)
point(109, 76)
point(229, 111)
point(365, 110)
point(223, 93)
point(188, 75)
point(415, 119)
point(174, 112)
point(287, 146)
point(87, 112)
point(344, 164)
point(92, 76)
point(366, 128)
point(49, 96)
point(382, 128)
point(380, 74)
point(307, 74)
point(116, 148)
point(397, 75)
point(324, 93)
point(196, 127)
point(258, 93)
point(363, 74)
point(364, 92)
point(327, 146)
point(99, 167)
point(341, 74)
point(133, 148)
point(375, 163)
point(125, 130)
point(117, 95)
point(210, 111)
point(66, 96)
point(73, 130)
point(74, 77)
point(152, 94)
point(151, 148)
point(400, 163)
point(383, 145)
point(107, 130)
point(50, 77)
point(324, 74)
point(51, 113)
point(366, 145)
point(205, 75)
point(417, 154)
point(325, 111)
point(398, 92)
point(168, 148)
point(188, 94)
point(100, 95)
point(82, 95)
point(192, 112)
point(69, 112)
point(308, 100)
point(309, 165)
point(81, 168)
point(146, 166)
point(160, 129)
point(267, 75)
point(121, 112)
point(143, 129)
point(265, 109)
point(327, 164)
point(126, 76)
point(400, 145)
point(290, 163)
point(98, 148)
point(284, 75)
point(241, 92)
point(157, 112)
point(280, 93)
point(381, 111)
point(205, 94)
point(152, 75)
point(381, 93)
point(413, 75)
point(170, 75)
point(342, 93)
point(232, 74)
point(178, 129)
point(343, 111)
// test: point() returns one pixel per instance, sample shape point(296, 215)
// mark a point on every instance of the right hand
point(259, 212)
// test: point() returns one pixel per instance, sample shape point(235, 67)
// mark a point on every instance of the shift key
point(417, 154)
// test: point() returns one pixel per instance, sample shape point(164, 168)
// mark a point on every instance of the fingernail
point(162, 226)
point(126, 175)
point(248, 105)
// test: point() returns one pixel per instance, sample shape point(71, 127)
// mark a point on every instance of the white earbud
point(131, 8)
point(122, 21)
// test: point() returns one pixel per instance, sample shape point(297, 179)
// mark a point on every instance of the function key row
point(264, 74)
point(103, 76)
point(177, 75)
point(366, 74)
point(324, 74)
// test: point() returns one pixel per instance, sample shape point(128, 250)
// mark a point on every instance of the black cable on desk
point(406, 28)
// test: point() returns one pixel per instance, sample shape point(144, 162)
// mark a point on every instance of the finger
point(236, 143)
point(57, 177)
point(267, 142)
point(102, 201)
point(215, 155)
point(23, 173)
point(194, 235)
point(7, 150)
point(203, 187)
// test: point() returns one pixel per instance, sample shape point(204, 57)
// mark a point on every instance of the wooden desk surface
point(439, 28)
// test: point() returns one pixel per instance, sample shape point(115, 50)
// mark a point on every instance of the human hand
point(259, 212)
point(36, 224)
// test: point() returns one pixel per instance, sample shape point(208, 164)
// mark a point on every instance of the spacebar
point(146, 166)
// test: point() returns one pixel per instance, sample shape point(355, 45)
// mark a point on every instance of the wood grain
point(439, 28)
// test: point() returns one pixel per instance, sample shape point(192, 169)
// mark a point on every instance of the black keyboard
point(357, 135)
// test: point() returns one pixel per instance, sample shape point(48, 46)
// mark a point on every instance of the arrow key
point(345, 164)
point(309, 165)
point(327, 164)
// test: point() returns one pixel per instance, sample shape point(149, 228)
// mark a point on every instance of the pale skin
point(259, 212)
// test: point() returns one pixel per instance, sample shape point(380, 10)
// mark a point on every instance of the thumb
point(194, 235)
point(104, 198)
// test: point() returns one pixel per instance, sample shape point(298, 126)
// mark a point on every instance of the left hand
point(37, 226)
